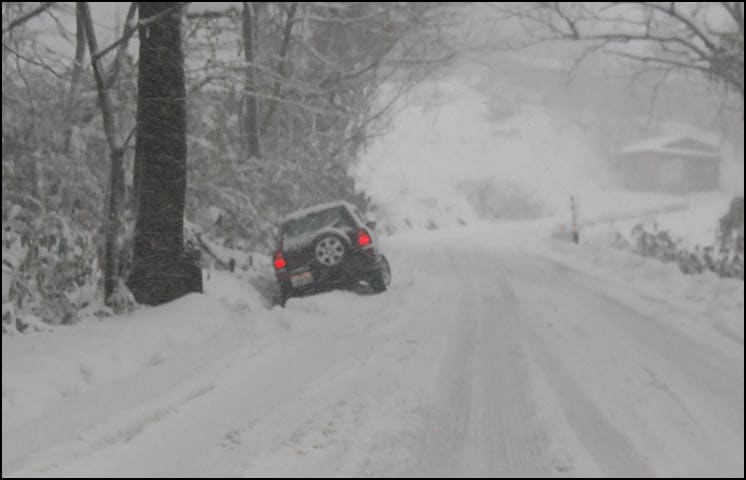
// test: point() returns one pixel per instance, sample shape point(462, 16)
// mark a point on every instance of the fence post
point(575, 233)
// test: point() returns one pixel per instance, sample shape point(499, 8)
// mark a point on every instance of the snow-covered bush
point(730, 236)
point(725, 259)
point(494, 199)
point(47, 264)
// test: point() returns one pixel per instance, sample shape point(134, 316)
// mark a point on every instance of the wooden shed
point(671, 164)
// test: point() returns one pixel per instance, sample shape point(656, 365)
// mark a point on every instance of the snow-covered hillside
point(448, 156)
point(464, 151)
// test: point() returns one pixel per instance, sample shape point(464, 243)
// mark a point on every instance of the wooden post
point(575, 234)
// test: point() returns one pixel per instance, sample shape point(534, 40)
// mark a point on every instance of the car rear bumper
point(355, 267)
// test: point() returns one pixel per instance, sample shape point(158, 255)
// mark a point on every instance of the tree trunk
point(250, 107)
point(161, 269)
point(112, 222)
point(282, 67)
point(72, 95)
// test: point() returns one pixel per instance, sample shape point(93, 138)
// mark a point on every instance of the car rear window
point(332, 217)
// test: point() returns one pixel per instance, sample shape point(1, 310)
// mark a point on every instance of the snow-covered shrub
point(726, 259)
point(46, 264)
point(657, 244)
point(494, 199)
point(730, 236)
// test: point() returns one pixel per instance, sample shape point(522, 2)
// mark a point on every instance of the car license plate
point(301, 279)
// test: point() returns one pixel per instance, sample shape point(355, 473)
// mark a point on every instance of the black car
point(330, 245)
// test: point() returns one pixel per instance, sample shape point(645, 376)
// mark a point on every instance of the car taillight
point(363, 238)
point(279, 261)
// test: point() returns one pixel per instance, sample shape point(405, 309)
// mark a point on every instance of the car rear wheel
point(382, 278)
point(286, 291)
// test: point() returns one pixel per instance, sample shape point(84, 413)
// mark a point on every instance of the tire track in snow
point(447, 425)
point(510, 422)
point(611, 450)
point(683, 390)
point(481, 422)
point(701, 364)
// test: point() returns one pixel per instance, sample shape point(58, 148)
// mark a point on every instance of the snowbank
point(713, 303)
point(44, 370)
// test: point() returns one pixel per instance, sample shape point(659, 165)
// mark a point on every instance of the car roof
point(317, 208)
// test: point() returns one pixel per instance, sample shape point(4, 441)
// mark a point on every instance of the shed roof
point(678, 144)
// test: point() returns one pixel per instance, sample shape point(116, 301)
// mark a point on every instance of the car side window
point(360, 216)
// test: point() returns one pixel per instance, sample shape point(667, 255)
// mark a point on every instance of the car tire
point(330, 250)
point(382, 278)
point(285, 293)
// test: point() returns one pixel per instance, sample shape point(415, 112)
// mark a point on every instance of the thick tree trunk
point(250, 106)
point(161, 270)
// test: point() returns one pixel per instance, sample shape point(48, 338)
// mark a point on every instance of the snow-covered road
point(481, 359)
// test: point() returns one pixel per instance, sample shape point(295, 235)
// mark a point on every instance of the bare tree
point(666, 36)
point(75, 78)
point(23, 18)
point(113, 224)
point(282, 63)
point(250, 102)
point(314, 73)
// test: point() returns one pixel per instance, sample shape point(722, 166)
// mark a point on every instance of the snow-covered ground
point(507, 356)
point(498, 350)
